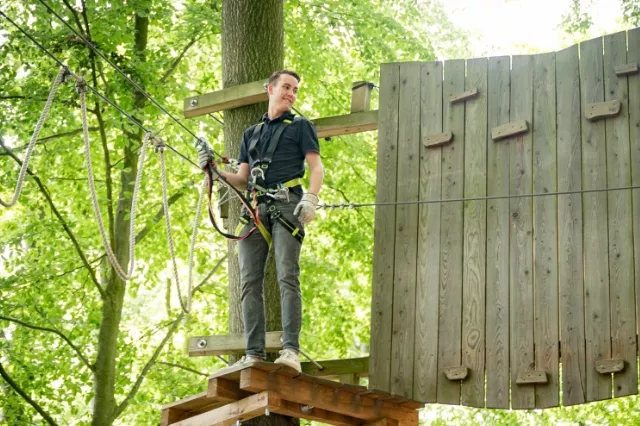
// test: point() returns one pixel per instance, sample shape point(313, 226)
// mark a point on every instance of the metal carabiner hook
point(255, 173)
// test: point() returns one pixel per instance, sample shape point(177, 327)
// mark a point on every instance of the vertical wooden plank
point(451, 232)
point(633, 55)
point(498, 238)
point(384, 234)
point(520, 237)
point(545, 243)
point(594, 213)
point(570, 266)
point(426, 342)
point(623, 315)
point(475, 222)
point(404, 291)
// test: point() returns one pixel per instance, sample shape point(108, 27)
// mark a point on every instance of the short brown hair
point(276, 75)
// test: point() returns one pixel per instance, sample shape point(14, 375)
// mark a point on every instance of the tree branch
point(68, 231)
point(54, 331)
point(159, 214)
point(24, 395)
point(148, 366)
point(152, 361)
point(42, 141)
point(182, 367)
point(175, 63)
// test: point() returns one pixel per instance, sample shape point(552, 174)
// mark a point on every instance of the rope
point(81, 86)
point(159, 148)
point(45, 112)
point(122, 73)
point(353, 205)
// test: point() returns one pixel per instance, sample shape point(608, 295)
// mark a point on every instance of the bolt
point(202, 343)
point(193, 102)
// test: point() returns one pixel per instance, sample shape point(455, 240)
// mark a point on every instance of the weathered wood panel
point(596, 264)
point(633, 55)
point(521, 235)
point(570, 266)
point(475, 222)
point(406, 245)
point(384, 235)
point(621, 280)
point(498, 238)
point(545, 243)
point(427, 286)
point(451, 232)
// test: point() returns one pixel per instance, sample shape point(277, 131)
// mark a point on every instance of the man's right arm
point(239, 179)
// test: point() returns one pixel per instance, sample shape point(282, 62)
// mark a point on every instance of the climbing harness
point(257, 192)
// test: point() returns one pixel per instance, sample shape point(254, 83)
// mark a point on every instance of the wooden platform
point(258, 388)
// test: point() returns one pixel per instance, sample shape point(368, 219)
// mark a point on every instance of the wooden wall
point(527, 294)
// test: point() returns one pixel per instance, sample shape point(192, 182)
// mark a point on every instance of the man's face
point(283, 93)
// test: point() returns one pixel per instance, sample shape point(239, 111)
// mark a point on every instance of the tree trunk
point(252, 49)
point(105, 404)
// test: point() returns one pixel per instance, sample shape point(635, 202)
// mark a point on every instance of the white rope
point(167, 220)
point(25, 163)
point(94, 197)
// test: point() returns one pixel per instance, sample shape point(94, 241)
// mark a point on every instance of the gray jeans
point(252, 256)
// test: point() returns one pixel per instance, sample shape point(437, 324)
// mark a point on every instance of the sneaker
point(247, 359)
point(290, 358)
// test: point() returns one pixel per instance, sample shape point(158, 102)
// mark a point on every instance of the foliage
point(43, 281)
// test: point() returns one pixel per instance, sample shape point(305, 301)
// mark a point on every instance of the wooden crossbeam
point(245, 409)
point(325, 397)
point(292, 409)
point(337, 367)
point(188, 407)
point(231, 97)
point(230, 344)
point(346, 124)
point(225, 390)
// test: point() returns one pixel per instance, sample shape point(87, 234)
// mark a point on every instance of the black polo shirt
point(296, 140)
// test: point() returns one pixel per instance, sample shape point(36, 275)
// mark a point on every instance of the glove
point(205, 153)
point(306, 208)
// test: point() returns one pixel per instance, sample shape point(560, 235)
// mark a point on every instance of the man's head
point(282, 89)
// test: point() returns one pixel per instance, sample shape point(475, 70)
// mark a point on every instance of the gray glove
point(205, 152)
point(306, 208)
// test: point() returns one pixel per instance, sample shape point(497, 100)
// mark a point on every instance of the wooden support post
point(361, 96)
point(292, 409)
point(336, 367)
point(349, 379)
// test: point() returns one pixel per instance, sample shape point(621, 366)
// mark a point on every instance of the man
point(291, 141)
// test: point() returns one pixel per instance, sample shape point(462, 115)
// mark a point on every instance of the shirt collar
point(287, 115)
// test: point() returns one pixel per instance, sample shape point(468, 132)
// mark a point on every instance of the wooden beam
point(225, 390)
point(531, 377)
point(437, 139)
point(242, 410)
point(231, 97)
point(346, 124)
point(627, 69)
point(509, 129)
point(599, 110)
point(336, 367)
point(188, 407)
point(456, 373)
point(608, 366)
point(292, 409)
point(469, 94)
point(230, 344)
point(324, 397)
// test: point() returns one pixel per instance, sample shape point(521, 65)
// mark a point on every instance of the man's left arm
point(316, 170)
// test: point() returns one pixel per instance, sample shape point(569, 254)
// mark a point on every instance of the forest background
point(53, 271)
